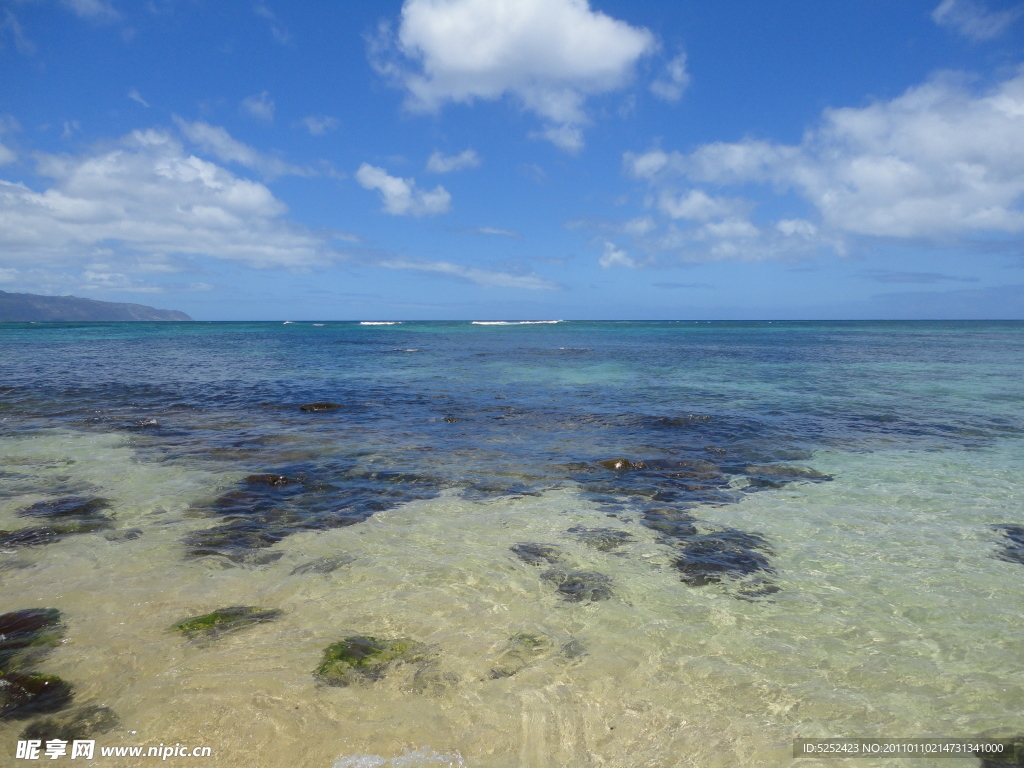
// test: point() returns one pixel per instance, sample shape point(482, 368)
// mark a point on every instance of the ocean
point(613, 544)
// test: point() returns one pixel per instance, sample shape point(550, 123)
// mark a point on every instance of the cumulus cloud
point(550, 55)
point(441, 163)
point(318, 126)
point(972, 19)
point(260, 106)
point(938, 163)
point(674, 81)
point(487, 278)
point(614, 256)
point(147, 197)
point(400, 196)
point(218, 142)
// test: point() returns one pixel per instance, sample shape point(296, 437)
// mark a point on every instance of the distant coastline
point(30, 307)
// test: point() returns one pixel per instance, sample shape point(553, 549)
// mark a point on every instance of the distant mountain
point(28, 307)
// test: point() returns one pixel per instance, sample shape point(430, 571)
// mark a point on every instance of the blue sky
point(516, 159)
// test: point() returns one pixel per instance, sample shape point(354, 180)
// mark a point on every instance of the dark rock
point(602, 539)
point(432, 679)
point(71, 506)
point(574, 649)
point(1012, 755)
point(671, 523)
point(323, 565)
point(362, 659)
point(318, 407)
point(78, 723)
point(777, 475)
point(274, 481)
point(47, 534)
point(128, 534)
point(224, 620)
point(25, 695)
point(709, 558)
point(26, 636)
point(537, 554)
point(580, 586)
point(451, 419)
point(1012, 547)
point(622, 464)
point(522, 649)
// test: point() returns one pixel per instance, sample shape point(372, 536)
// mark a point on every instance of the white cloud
point(972, 19)
point(146, 198)
point(260, 106)
point(697, 205)
point(614, 256)
point(95, 9)
point(134, 95)
point(676, 79)
point(488, 278)
point(495, 231)
point(549, 54)
point(277, 29)
point(938, 163)
point(21, 42)
point(441, 163)
point(219, 143)
point(7, 124)
point(318, 126)
point(400, 196)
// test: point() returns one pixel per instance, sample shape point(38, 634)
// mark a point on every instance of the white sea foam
point(369, 322)
point(515, 322)
point(318, 325)
point(420, 758)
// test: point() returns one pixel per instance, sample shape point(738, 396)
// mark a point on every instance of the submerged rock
point(317, 407)
point(71, 506)
point(128, 534)
point(602, 539)
point(669, 522)
point(1012, 547)
point(432, 679)
point(537, 554)
point(362, 659)
point(323, 565)
point(25, 695)
point(78, 723)
point(622, 464)
point(779, 475)
point(48, 534)
point(26, 636)
point(451, 419)
point(580, 586)
point(224, 620)
point(521, 650)
point(708, 558)
point(274, 481)
point(1012, 755)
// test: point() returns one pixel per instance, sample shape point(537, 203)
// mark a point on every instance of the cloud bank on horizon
point(290, 165)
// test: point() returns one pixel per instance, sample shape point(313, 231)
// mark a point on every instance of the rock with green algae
point(363, 659)
point(28, 635)
point(224, 620)
point(26, 695)
point(78, 723)
point(521, 650)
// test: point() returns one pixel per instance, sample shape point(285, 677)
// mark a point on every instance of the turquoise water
point(758, 532)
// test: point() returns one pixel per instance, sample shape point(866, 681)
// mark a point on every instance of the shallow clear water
point(869, 460)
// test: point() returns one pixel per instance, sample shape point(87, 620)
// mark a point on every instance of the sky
point(516, 159)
